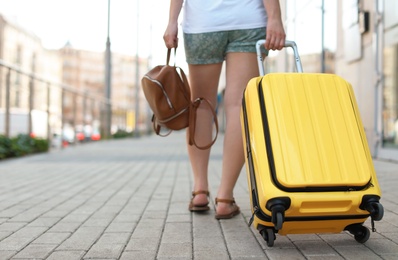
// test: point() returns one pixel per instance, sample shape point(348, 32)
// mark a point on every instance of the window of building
point(390, 96)
point(390, 68)
point(16, 100)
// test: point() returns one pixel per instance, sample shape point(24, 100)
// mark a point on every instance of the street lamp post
point(137, 75)
point(323, 67)
point(108, 73)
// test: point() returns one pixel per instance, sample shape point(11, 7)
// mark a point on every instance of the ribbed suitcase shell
point(315, 151)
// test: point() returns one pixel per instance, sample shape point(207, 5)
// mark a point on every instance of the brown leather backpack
point(167, 91)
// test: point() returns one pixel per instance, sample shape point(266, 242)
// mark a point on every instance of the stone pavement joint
point(128, 199)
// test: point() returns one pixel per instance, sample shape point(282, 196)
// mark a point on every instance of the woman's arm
point(170, 36)
point(275, 39)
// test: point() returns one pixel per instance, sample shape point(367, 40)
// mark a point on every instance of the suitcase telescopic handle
point(290, 44)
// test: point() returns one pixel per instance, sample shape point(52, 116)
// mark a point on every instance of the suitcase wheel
point(376, 210)
point(373, 206)
point(360, 232)
point(269, 236)
point(278, 221)
point(278, 206)
point(362, 235)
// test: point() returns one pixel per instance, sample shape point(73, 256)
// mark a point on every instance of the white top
point(201, 16)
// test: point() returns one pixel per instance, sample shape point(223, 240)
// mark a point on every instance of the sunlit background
point(84, 23)
point(65, 42)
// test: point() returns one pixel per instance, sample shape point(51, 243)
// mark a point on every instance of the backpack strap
point(192, 123)
point(168, 56)
point(157, 127)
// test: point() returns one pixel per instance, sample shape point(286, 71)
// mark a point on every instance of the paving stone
point(55, 213)
point(65, 227)
point(121, 227)
point(127, 216)
point(392, 236)
point(176, 250)
point(43, 222)
point(177, 233)
point(147, 255)
point(21, 238)
point(97, 222)
point(12, 226)
point(28, 216)
point(154, 215)
point(143, 244)
point(158, 204)
point(114, 238)
point(69, 255)
point(145, 232)
point(213, 244)
point(311, 248)
point(36, 251)
point(4, 234)
point(105, 251)
point(212, 254)
point(356, 252)
point(75, 218)
point(82, 239)
point(327, 257)
point(11, 213)
point(277, 253)
point(342, 239)
point(386, 227)
point(52, 238)
point(280, 242)
point(178, 218)
point(248, 247)
point(383, 246)
point(211, 228)
point(5, 255)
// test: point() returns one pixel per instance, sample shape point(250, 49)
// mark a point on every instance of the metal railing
point(26, 91)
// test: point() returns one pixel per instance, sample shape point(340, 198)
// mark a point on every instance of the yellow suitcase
point(308, 162)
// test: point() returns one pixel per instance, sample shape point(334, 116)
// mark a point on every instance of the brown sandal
point(199, 208)
point(232, 214)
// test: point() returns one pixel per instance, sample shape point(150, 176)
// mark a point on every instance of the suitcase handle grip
point(291, 44)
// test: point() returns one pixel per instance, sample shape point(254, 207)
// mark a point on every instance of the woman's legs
point(204, 83)
point(240, 68)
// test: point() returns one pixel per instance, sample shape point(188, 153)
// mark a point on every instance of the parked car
point(96, 135)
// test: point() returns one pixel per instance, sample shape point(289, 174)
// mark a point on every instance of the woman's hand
point(170, 36)
point(276, 37)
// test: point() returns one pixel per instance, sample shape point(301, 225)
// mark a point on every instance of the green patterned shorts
point(208, 48)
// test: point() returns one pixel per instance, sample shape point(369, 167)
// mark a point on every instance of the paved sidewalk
point(128, 199)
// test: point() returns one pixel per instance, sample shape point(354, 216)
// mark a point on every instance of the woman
point(214, 31)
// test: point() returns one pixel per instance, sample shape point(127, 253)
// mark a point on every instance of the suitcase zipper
point(158, 83)
point(255, 212)
point(173, 117)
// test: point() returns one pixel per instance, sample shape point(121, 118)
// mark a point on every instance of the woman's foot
point(226, 209)
point(199, 201)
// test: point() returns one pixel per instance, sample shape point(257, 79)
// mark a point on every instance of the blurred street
point(128, 199)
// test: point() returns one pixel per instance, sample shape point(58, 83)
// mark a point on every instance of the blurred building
point(365, 36)
point(23, 50)
point(71, 82)
point(367, 56)
point(85, 71)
